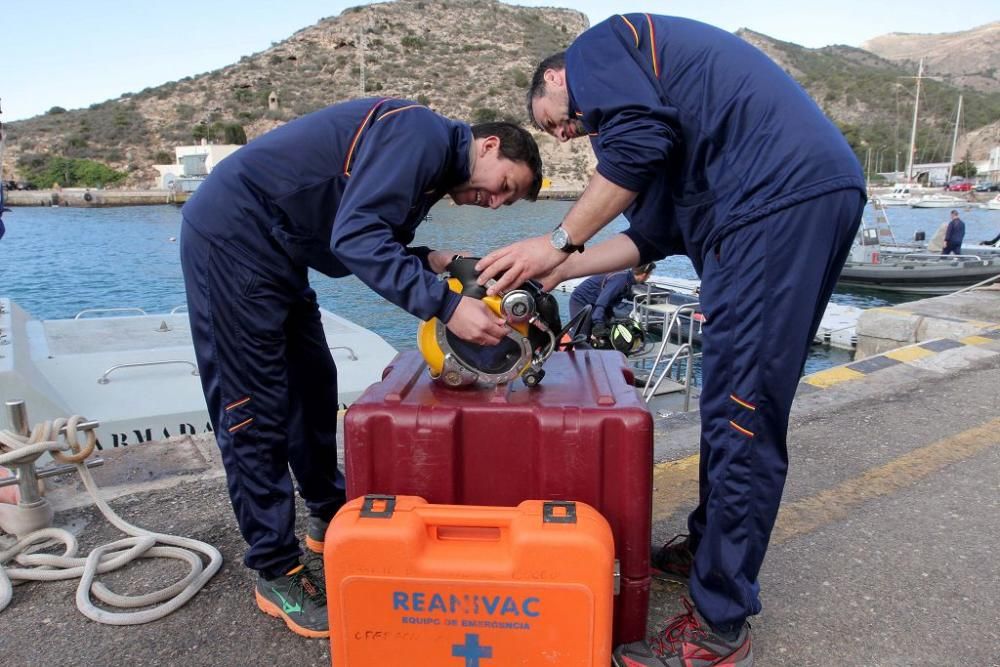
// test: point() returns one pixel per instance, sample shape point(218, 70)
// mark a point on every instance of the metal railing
point(104, 378)
point(350, 353)
point(110, 310)
point(685, 348)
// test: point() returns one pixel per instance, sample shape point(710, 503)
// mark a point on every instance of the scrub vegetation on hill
point(468, 59)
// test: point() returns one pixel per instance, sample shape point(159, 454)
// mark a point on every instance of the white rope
point(141, 543)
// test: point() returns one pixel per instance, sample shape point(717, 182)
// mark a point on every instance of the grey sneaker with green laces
point(297, 599)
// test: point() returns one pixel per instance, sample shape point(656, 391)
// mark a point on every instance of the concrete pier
point(884, 552)
point(954, 316)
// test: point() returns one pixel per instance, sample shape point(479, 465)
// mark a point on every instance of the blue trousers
point(271, 389)
point(764, 289)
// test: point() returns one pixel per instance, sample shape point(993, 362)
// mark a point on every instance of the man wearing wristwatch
point(560, 241)
point(711, 150)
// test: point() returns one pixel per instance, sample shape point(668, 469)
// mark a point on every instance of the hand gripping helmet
point(533, 332)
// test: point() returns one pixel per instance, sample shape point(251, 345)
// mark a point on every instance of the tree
point(235, 134)
point(965, 168)
point(44, 170)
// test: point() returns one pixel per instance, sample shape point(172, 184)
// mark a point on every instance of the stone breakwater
point(80, 197)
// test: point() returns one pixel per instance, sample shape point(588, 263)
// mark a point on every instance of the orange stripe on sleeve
point(652, 45)
point(742, 430)
point(635, 33)
point(236, 404)
point(739, 401)
point(389, 113)
point(233, 429)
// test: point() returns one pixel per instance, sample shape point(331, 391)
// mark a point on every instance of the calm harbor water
point(55, 262)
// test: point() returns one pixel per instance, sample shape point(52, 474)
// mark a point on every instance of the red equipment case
point(584, 434)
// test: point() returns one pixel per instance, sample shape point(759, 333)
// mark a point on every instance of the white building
point(989, 169)
point(192, 165)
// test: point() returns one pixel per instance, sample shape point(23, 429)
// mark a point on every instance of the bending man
point(604, 293)
point(710, 149)
point(342, 191)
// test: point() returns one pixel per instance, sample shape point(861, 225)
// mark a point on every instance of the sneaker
point(316, 534)
point(673, 560)
point(688, 641)
point(296, 599)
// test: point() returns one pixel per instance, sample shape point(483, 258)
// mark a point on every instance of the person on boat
point(709, 149)
point(342, 191)
point(954, 235)
point(603, 293)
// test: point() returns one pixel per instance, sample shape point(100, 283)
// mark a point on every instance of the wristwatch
point(560, 241)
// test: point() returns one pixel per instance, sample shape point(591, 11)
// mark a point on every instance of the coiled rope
point(142, 543)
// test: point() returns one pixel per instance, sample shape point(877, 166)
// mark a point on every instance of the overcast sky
point(73, 54)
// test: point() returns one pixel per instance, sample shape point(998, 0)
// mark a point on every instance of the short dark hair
point(537, 88)
point(644, 268)
point(516, 144)
point(954, 212)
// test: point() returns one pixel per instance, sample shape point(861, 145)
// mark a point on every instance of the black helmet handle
point(464, 270)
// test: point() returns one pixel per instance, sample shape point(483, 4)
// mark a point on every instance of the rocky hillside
point(465, 58)
point(970, 58)
point(871, 99)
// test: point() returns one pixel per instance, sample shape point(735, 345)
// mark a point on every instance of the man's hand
point(519, 262)
point(439, 260)
point(475, 322)
point(601, 330)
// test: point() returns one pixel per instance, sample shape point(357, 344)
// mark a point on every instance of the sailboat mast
point(954, 140)
point(2, 188)
point(913, 132)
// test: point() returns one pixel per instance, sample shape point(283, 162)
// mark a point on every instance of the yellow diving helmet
point(533, 333)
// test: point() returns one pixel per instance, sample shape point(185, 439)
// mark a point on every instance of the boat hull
point(914, 278)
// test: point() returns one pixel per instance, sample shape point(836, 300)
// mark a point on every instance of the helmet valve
point(518, 306)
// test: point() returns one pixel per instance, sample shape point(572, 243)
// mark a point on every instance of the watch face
point(560, 239)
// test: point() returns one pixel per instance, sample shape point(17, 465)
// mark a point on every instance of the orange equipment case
point(419, 585)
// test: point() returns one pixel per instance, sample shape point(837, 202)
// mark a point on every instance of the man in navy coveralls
point(604, 293)
point(342, 191)
point(711, 150)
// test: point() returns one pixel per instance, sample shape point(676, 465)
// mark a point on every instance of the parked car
point(958, 186)
point(988, 186)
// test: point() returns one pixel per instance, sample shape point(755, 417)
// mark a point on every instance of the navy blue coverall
point(735, 166)
point(953, 237)
point(604, 293)
point(342, 191)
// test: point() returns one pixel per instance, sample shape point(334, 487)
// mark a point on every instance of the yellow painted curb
point(832, 376)
point(909, 353)
point(976, 340)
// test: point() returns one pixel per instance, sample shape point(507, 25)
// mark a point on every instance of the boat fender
point(87, 196)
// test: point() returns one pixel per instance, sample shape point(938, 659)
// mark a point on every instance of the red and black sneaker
point(688, 641)
point(673, 560)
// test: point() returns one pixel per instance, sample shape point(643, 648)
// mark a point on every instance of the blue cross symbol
point(471, 651)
